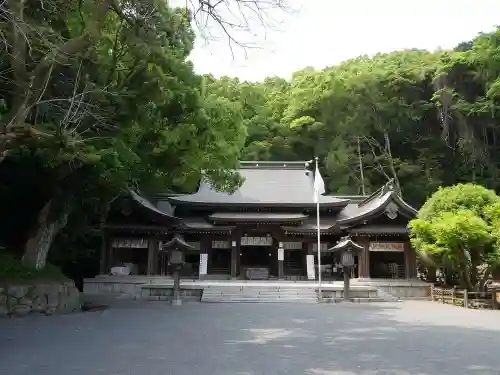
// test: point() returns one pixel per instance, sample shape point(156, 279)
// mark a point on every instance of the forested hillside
point(424, 119)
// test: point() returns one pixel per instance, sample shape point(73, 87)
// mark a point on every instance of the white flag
point(319, 185)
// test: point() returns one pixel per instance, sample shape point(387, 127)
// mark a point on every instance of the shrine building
point(265, 230)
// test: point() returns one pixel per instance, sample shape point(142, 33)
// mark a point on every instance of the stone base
point(160, 287)
point(48, 299)
point(176, 302)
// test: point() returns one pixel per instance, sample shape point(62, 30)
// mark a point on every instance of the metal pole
point(320, 297)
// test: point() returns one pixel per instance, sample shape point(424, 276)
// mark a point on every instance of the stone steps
point(258, 294)
point(355, 299)
point(283, 294)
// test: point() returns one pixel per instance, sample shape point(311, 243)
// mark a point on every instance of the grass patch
point(13, 271)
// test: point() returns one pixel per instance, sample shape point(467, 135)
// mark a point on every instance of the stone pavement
point(152, 338)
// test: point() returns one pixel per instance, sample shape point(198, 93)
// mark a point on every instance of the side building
point(265, 230)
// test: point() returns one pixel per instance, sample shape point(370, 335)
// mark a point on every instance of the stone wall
point(20, 300)
point(167, 293)
point(403, 289)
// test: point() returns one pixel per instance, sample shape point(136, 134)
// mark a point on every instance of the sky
point(322, 33)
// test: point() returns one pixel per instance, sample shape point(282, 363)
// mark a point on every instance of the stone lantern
point(348, 249)
point(175, 249)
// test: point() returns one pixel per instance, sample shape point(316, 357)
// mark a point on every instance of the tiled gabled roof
point(286, 184)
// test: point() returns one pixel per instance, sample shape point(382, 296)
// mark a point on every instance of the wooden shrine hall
point(265, 230)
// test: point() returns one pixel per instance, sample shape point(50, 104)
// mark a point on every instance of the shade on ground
point(152, 338)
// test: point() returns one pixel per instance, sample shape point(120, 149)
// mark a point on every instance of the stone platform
point(160, 288)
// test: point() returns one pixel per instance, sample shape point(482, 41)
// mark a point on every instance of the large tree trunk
point(38, 245)
point(466, 277)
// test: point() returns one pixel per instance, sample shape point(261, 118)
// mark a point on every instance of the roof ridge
point(384, 189)
point(288, 165)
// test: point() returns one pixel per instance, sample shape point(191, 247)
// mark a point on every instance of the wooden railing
point(467, 299)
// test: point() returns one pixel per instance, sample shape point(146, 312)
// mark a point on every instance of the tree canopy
point(97, 96)
point(390, 115)
point(456, 229)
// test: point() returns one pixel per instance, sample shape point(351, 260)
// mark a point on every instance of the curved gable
point(385, 201)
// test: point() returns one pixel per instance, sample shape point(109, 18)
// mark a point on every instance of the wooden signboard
point(281, 254)
point(221, 244)
point(324, 247)
point(387, 246)
point(130, 243)
point(256, 241)
point(292, 245)
point(203, 263)
point(311, 273)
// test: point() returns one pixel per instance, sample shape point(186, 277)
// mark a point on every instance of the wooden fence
point(464, 298)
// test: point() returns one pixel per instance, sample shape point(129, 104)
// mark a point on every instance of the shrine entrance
point(257, 257)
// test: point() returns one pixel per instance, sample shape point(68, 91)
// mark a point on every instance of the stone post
point(176, 300)
point(234, 259)
point(281, 258)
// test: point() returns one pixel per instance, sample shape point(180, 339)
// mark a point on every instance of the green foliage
point(457, 228)
point(425, 119)
point(123, 109)
point(126, 109)
point(12, 270)
point(459, 198)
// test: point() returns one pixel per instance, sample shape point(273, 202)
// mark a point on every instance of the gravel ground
point(152, 338)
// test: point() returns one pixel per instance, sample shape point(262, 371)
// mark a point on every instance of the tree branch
point(235, 16)
point(33, 86)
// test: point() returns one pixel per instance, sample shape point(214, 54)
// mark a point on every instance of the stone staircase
point(252, 293)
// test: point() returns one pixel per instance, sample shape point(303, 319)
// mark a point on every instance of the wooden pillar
point(103, 262)
point(234, 259)
point(410, 261)
point(111, 256)
point(209, 252)
point(306, 248)
point(281, 259)
point(153, 245)
point(238, 257)
point(364, 257)
point(156, 259)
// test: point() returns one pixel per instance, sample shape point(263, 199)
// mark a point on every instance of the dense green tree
point(456, 229)
point(97, 96)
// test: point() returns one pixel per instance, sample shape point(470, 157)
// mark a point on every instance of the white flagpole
point(318, 231)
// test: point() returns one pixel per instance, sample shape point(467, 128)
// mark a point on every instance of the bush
point(12, 270)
